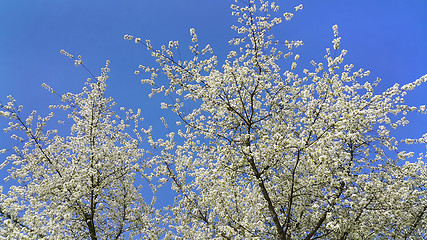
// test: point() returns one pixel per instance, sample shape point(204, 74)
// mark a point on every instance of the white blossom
point(268, 153)
point(261, 150)
point(81, 186)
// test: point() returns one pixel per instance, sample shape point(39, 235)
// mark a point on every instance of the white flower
point(335, 28)
point(336, 43)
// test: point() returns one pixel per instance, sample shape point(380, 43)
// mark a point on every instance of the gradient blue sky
point(388, 37)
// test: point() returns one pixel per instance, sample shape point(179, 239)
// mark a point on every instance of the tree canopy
point(261, 150)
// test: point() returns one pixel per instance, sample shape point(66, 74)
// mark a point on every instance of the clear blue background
point(388, 37)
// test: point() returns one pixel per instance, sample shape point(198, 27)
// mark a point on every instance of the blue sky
point(388, 37)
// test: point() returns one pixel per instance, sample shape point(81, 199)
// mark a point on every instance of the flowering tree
point(269, 153)
point(259, 152)
point(81, 186)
